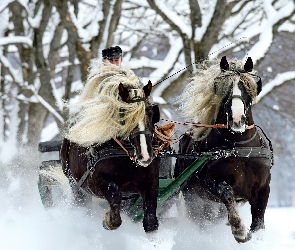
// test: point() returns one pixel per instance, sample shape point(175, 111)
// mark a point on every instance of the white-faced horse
point(108, 150)
point(239, 168)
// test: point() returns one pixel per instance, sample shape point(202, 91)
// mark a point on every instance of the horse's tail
point(56, 175)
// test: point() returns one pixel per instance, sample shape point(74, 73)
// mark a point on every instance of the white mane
point(201, 99)
point(102, 114)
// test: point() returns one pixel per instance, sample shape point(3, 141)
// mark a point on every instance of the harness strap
point(252, 152)
point(85, 176)
point(244, 152)
point(246, 141)
point(126, 151)
point(250, 126)
point(139, 133)
point(100, 155)
point(137, 99)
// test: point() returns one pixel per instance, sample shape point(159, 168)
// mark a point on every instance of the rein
point(164, 138)
point(195, 124)
point(167, 140)
point(203, 125)
point(126, 151)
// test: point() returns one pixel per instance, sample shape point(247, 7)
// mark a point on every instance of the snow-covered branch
point(259, 50)
point(278, 81)
point(15, 40)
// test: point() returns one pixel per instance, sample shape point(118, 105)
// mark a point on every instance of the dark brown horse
point(112, 171)
point(241, 154)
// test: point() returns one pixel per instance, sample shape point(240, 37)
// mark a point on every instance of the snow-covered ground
point(26, 225)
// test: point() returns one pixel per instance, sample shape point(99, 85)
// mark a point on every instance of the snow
point(279, 80)
point(49, 132)
point(206, 18)
point(15, 39)
point(166, 64)
point(174, 18)
point(4, 4)
point(266, 36)
point(25, 224)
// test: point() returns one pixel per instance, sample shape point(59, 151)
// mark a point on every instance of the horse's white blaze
point(237, 108)
point(143, 143)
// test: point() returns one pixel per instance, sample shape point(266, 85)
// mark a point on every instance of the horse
point(239, 153)
point(125, 164)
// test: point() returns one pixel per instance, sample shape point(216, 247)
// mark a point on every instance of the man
point(102, 84)
point(113, 55)
point(100, 71)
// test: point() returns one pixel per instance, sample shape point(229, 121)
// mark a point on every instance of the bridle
point(132, 136)
point(130, 139)
point(136, 98)
point(230, 97)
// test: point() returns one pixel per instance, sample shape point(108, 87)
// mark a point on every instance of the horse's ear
point(248, 65)
point(224, 64)
point(148, 89)
point(156, 116)
point(259, 86)
point(123, 92)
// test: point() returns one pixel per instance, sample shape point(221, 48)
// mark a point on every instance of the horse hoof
point(150, 223)
point(257, 226)
point(108, 225)
point(151, 227)
point(243, 240)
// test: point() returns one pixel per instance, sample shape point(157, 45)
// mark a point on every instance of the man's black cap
point(112, 53)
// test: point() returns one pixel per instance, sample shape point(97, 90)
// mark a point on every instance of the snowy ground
point(26, 225)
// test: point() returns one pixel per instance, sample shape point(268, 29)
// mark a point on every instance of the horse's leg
point(81, 198)
point(149, 194)
point(258, 206)
point(112, 218)
point(150, 221)
point(226, 194)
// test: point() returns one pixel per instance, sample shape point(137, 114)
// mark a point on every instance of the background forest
point(46, 47)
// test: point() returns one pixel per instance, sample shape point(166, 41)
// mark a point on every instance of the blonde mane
point(102, 114)
point(201, 99)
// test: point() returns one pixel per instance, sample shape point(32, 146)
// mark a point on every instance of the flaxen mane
point(102, 114)
point(201, 99)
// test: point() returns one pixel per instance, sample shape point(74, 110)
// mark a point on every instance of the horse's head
point(141, 136)
point(242, 88)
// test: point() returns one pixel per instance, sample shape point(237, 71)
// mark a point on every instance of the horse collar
point(246, 141)
point(233, 144)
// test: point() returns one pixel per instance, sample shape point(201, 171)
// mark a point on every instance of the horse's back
point(246, 175)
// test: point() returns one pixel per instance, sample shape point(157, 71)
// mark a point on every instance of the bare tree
point(44, 67)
